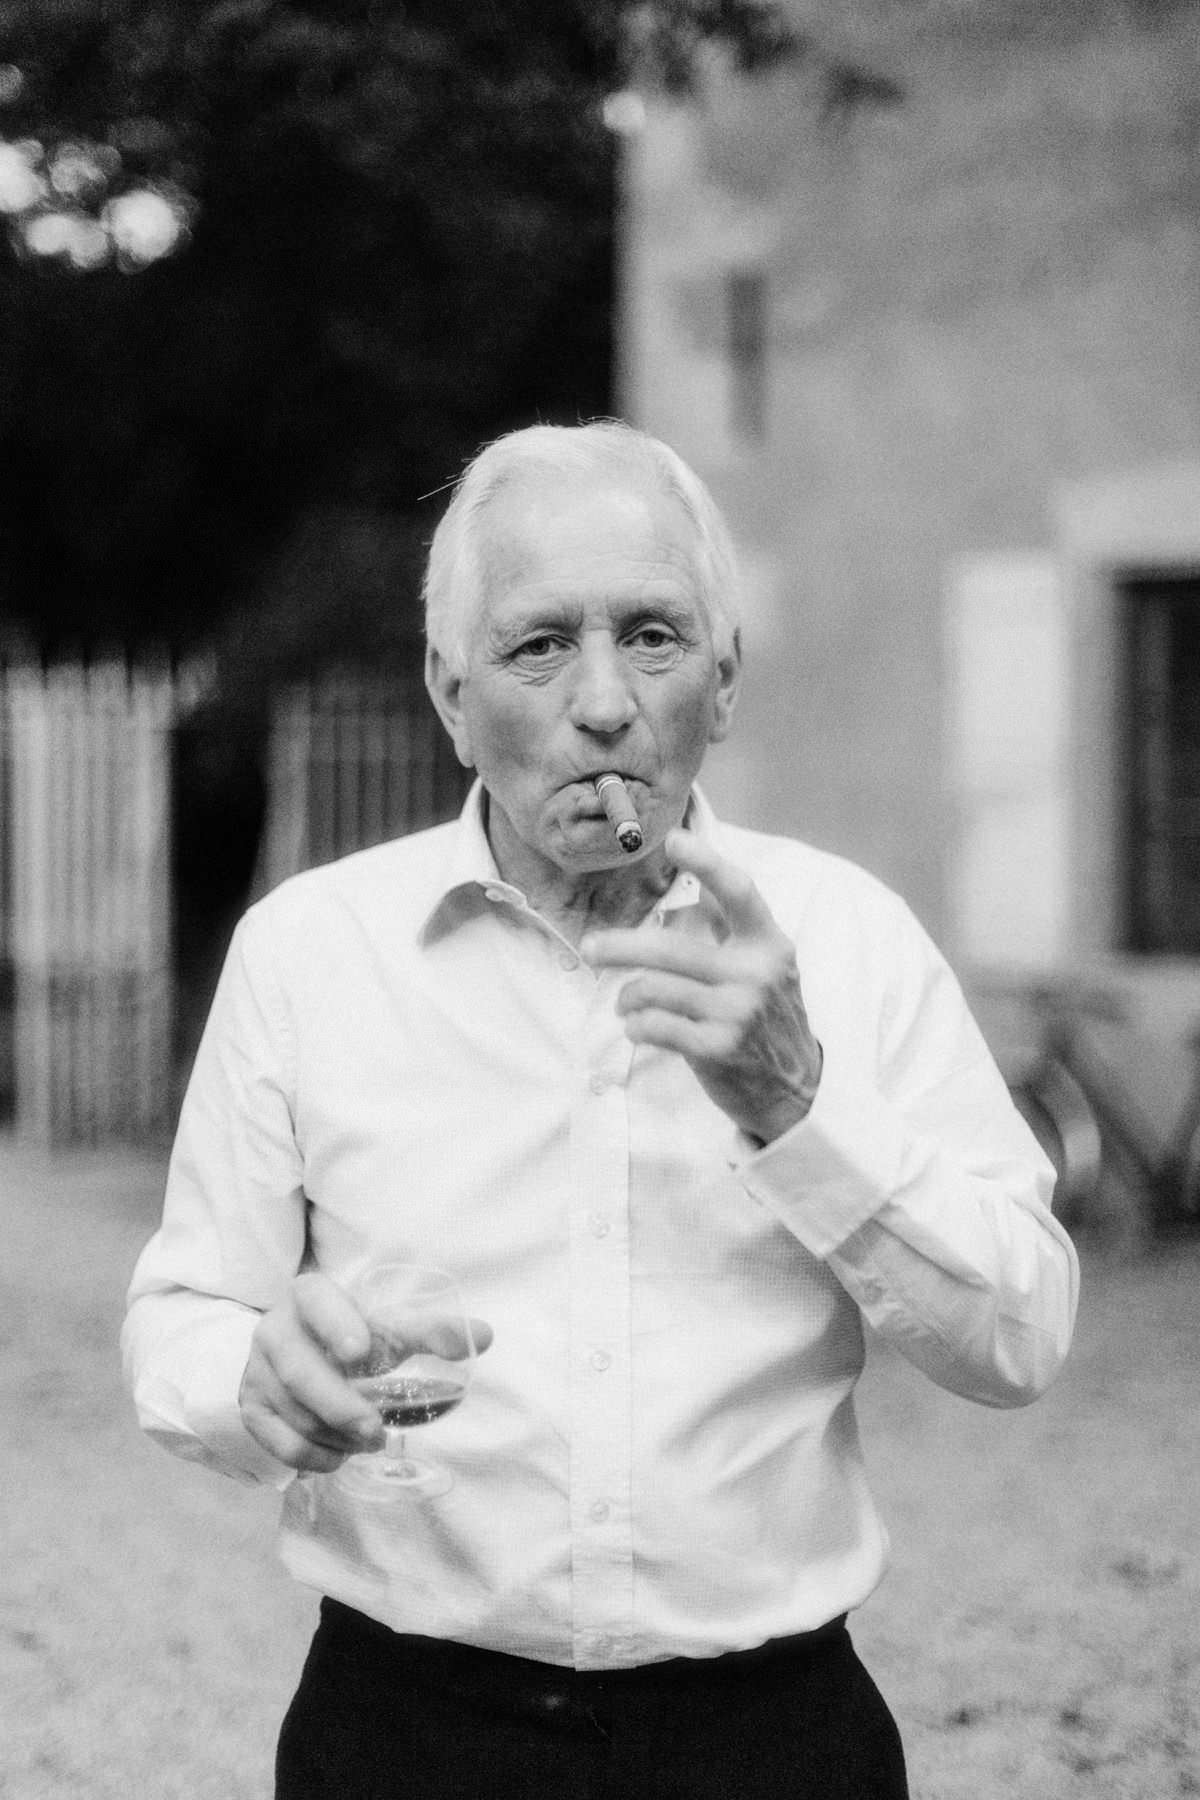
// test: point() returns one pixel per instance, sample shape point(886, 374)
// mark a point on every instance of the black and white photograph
point(600, 899)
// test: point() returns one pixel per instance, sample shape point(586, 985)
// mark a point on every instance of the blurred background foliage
point(270, 272)
point(273, 271)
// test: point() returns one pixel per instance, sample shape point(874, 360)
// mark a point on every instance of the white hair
point(456, 575)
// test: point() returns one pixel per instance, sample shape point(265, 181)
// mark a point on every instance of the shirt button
point(600, 1226)
point(598, 1511)
point(567, 959)
point(598, 1083)
point(601, 1360)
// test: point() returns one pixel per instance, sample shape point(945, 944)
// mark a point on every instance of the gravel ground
point(1038, 1635)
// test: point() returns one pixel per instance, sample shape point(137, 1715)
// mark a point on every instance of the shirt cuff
point(834, 1170)
point(212, 1412)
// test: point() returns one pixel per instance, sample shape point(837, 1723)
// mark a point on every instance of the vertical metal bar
point(323, 816)
point(375, 822)
point(32, 917)
point(7, 976)
point(110, 733)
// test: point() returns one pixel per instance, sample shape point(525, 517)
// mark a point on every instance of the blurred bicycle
point(1088, 1122)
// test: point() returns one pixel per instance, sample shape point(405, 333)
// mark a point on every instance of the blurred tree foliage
point(403, 244)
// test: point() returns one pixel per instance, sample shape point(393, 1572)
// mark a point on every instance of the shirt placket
point(601, 1371)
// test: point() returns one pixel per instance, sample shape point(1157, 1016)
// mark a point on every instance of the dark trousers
point(377, 1714)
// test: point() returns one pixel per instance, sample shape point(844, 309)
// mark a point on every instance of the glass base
point(382, 1478)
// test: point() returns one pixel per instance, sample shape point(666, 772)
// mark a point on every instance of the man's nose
point(602, 699)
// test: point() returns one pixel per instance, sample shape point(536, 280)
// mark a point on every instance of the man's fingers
point(701, 1041)
point(291, 1364)
point(448, 1338)
point(481, 1334)
point(394, 1344)
point(302, 1372)
point(746, 912)
point(670, 993)
point(666, 950)
point(296, 1448)
point(315, 1430)
point(297, 1396)
point(329, 1315)
point(739, 899)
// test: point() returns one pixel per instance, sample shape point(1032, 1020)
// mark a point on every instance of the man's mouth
point(589, 802)
point(588, 782)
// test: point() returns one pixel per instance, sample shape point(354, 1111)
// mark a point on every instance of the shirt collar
point(469, 874)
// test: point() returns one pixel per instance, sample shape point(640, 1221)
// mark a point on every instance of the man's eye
point(654, 637)
point(537, 647)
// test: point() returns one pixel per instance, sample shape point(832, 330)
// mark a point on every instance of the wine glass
point(418, 1368)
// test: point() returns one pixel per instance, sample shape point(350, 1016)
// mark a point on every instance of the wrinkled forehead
point(541, 526)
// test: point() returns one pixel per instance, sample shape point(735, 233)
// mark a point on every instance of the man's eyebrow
point(558, 612)
point(538, 615)
point(670, 605)
point(673, 610)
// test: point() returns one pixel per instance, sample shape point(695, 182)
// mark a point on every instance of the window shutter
point(1008, 719)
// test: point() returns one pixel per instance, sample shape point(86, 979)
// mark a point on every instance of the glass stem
point(393, 1450)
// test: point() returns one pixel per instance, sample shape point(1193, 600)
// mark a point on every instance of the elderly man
point(676, 1118)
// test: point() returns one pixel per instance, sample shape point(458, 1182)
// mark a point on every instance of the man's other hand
point(296, 1398)
point(733, 1010)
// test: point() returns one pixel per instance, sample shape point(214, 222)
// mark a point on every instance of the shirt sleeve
point(919, 1184)
point(233, 1226)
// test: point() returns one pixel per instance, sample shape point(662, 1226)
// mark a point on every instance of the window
point(1162, 624)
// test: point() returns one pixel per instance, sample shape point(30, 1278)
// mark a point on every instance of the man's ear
point(729, 681)
point(445, 690)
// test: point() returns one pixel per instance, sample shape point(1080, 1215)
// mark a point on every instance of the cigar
point(614, 798)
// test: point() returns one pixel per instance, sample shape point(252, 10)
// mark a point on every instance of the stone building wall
point(982, 317)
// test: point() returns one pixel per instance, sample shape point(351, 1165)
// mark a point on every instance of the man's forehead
point(550, 518)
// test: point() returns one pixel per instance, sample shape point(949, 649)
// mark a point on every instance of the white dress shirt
point(658, 1456)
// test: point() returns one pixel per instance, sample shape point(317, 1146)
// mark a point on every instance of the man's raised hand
point(733, 1010)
